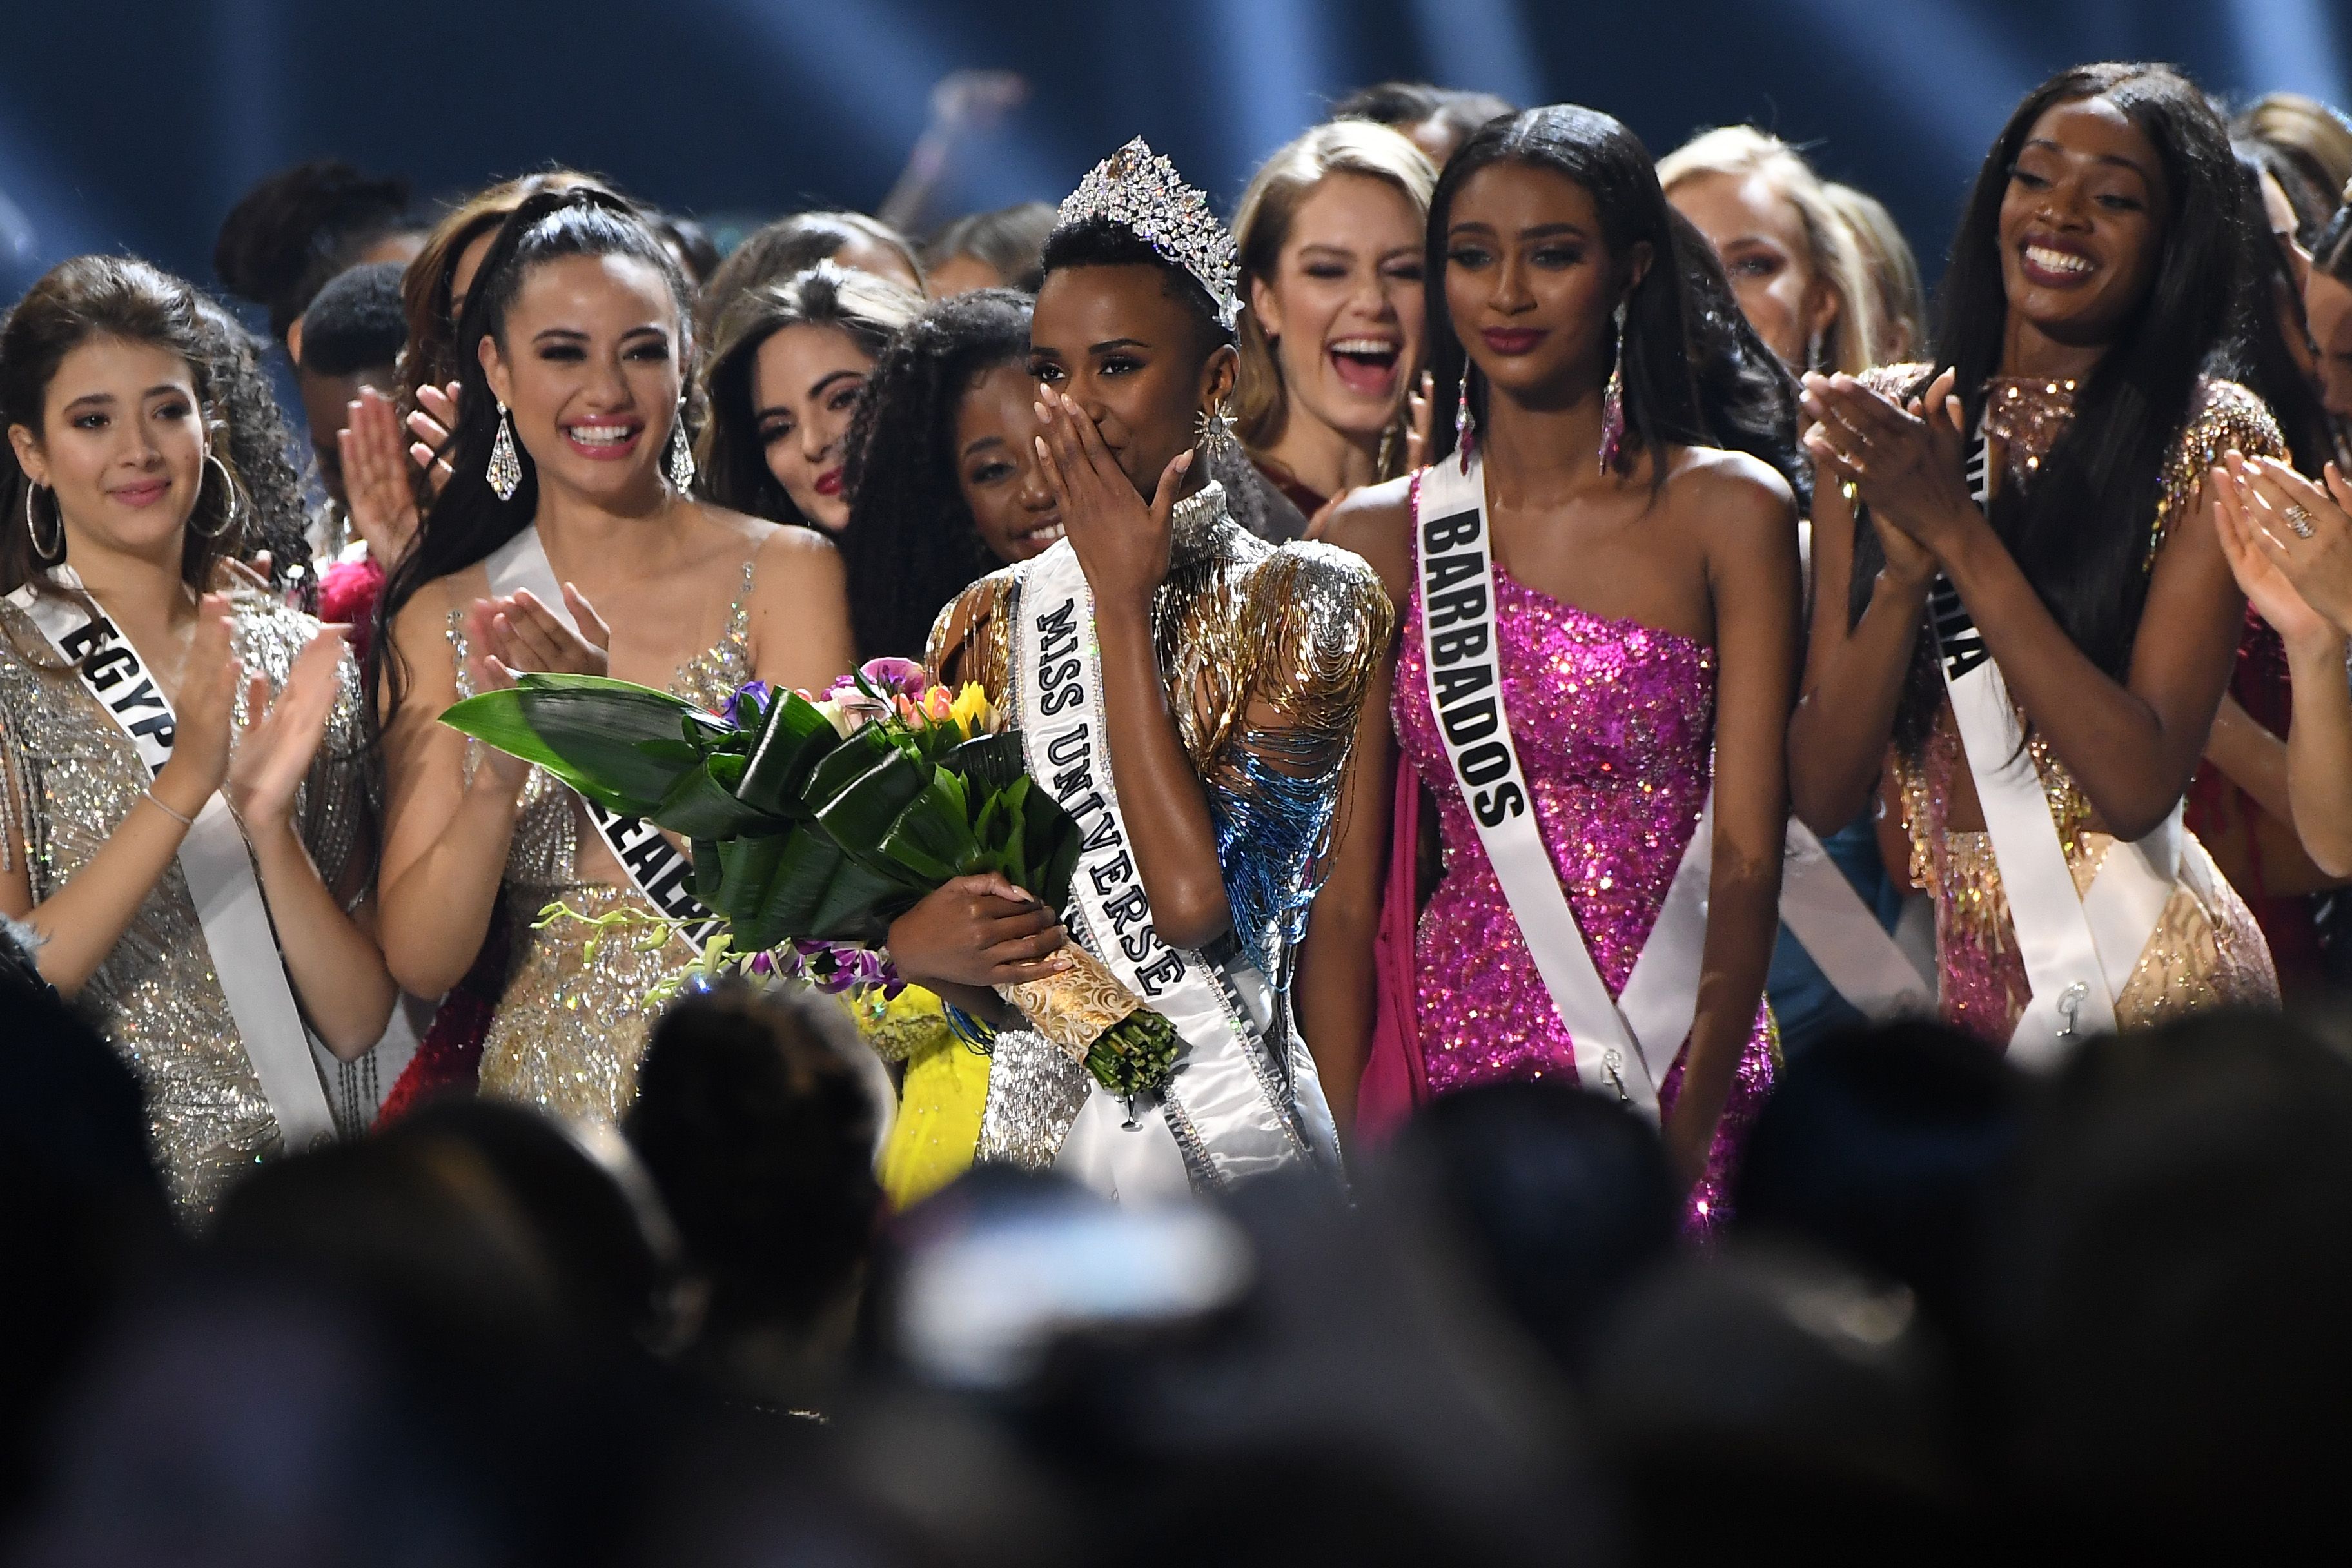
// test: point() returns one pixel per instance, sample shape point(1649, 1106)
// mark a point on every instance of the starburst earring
point(679, 462)
point(505, 470)
point(1213, 430)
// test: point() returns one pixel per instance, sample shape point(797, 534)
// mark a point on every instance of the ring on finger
point(2298, 518)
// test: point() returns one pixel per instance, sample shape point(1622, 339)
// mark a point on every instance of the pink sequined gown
point(1614, 721)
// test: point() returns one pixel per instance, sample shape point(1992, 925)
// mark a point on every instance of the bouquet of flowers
point(815, 821)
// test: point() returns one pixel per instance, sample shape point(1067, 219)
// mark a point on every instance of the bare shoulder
point(1375, 523)
point(792, 560)
point(1732, 494)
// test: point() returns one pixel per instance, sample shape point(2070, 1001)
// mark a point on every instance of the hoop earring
point(678, 464)
point(47, 556)
point(231, 508)
point(1612, 396)
point(505, 469)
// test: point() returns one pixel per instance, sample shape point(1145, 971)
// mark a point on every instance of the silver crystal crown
point(1141, 192)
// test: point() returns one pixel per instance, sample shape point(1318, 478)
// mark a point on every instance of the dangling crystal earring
point(1213, 430)
point(1465, 425)
point(679, 464)
point(1612, 396)
point(505, 472)
point(1814, 346)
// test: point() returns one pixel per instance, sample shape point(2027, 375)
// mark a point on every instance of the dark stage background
point(135, 125)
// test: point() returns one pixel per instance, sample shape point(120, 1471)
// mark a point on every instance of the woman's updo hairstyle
point(110, 297)
point(468, 520)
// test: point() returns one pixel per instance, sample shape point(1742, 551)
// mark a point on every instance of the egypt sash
point(230, 909)
point(1230, 1112)
point(1624, 1044)
point(2079, 950)
point(655, 866)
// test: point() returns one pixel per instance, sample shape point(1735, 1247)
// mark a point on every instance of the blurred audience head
point(92, 1218)
point(1330, 236)
point(1885, 1147)
point(1555, 1199)
point(787, 367)
point(1792, 261)
point(791, 245)
point(1893, 271)
point(349, 338)
point(1000, 249)
point(2277, 364)
point(942, 470)
point(758, 1122)
point(2170, 1289)
point(1771, 1405)
point(299, 226)
point(1437, 119)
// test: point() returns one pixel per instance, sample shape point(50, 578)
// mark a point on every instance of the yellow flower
point(972, 712)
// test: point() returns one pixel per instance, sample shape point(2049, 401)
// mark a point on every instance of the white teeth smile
point(1048, 535)
point(2059, 260)
point(599, 435)
point(1365, 348)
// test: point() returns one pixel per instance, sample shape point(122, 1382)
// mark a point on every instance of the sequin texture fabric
point(571, 1021)
point(2206, 949)
point(156, 998)
point(1614, 724)
point(1265, 652)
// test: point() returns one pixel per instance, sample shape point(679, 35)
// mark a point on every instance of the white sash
point(1227, 1114)
point(2078, 951)
point(654, 866)
point(1843, 936)
point(213, 857)
point(1624, 1044)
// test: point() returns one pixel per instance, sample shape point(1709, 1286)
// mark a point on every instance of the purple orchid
point(750, 700)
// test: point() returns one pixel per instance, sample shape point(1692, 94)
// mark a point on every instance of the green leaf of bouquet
point(860, 815)
point(795, 738)
point(700, 807)
point(992, 761)
point(855, 903)
point(618, 743)
point(932, 837)
point(746, 866)
point(844, 764)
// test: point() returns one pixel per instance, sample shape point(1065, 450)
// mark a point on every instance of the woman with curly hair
point(944, 487)
point(261, 447)
point(940, 469)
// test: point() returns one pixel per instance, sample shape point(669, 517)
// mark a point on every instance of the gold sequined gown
point(2206, 950)
point(571, 1023)
point(156, 998)
point(1265, 652)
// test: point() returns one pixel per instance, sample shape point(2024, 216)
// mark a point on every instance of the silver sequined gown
point(75, 776)
point(571, 1021)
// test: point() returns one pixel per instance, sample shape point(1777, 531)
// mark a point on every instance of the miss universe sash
point(2079, 950)
point(1624, 1044)
point(1237, 1107)
point(651, 862)
point(230, 909)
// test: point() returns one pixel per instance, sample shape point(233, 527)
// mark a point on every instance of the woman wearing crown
point(1223, 674)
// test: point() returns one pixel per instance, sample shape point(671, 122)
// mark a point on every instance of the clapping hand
point(201, 711)
point(518, 632)
point(376, 492)
point(435, 416)
point(2289, 543)
point(1122, 543)
point(279, 738)
point(1905, 463)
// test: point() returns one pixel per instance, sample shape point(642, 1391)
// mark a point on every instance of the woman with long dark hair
point(2000, 526)
point(788, 365)
point(945, 486)
point(182, 781)
point(1601, 567)
point(565, 539)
